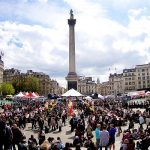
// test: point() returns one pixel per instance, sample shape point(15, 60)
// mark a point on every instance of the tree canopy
point(7, 89)
point(30, 84)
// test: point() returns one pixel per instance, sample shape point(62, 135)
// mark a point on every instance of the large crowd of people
point(95, 125)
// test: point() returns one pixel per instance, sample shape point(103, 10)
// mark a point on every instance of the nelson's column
point(72, 78)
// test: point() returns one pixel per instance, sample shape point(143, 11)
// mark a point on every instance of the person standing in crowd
point(124, 144)
point(147, 121)
point(67, 147)
point(131, 144)
point(73, 123)
point(59, 124)
point(41, 123)
point(119, 126)
point(41, 137)
point(97, 135)
point(5, 136)
point(32, 143)
point(53, 123)
point(104, 138)
point(141, 121)
point(17, 136)
point(89, 131)
point(112, 132)
point(131, 124)
point(33, 121)
point(64, 119)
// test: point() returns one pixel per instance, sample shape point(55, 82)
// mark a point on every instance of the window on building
point(143, 82)
point(139, 78)
point(147, 81)
point(126, 83)
point(143, 70)
point(130, 83)
point(143, 74)
point(133, 83)
point(139, 82)
point(133, 78)
point(143, 78)
point(147, 77)
point(129, 78)
point(147, 73)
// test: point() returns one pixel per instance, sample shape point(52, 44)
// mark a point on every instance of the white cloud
point(101, 42)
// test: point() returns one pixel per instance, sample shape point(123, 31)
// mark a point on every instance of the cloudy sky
point(109, 34)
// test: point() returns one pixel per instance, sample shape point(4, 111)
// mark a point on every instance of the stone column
point(71, 49)
point(71, 23)
point(72, 78)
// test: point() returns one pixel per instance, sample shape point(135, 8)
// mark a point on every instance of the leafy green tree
point(30, 84)
point(7, 89)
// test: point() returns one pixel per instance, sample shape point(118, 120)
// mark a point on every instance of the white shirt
point(141, 120)
point(147, 121)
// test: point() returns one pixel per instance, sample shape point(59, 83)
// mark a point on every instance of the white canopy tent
point(20, 94)
point(100, 96)
point(88, 98)
point(72, 92)
point(135, 93)
point(35, 95)
point(148, 93)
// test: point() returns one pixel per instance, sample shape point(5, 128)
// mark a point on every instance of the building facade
point(129, 80)
point(143, 76)
point(116, 83)
point(1, 71)
point(46, 85)
point(133, 79)
point(86, 85)
point(103, 88)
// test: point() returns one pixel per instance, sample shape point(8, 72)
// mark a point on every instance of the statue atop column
point(71, 14)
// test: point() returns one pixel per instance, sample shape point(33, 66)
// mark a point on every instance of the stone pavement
point(66, 135)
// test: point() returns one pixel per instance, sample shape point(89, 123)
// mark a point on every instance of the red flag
point(70, 105)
